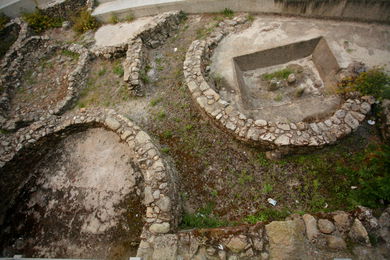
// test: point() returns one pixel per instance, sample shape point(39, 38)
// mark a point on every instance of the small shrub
point(227, 12)
point(3, 20)
point(373, 82)
point(40, 22)
point(161, 115)
point(165, 149)
point(84, 21)
point(114, 19)
point(218, 81)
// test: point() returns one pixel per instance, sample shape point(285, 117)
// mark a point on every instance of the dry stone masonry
point(277, 135)
point(297, 237)
point(152, 35)
point(160, 194)
point(16, 59)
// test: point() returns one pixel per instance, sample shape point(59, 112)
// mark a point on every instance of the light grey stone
point(326, 226)
point(160, 228)
point(311, 227)
point(112, 123)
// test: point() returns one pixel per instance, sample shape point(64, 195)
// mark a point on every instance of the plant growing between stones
point(228, 13)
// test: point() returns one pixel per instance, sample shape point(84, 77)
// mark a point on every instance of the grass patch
point(155, 101)
point(113, 19)
point(70, 54)
point(203, 218)
point(278, 98)
point(266, 214)
point(118, 69)
point(280, 74)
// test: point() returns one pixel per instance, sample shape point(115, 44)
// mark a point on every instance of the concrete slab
point(114, 34)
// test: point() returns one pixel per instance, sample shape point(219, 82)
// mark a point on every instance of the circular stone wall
point(77, 175)
point(336, 121)
point(41, 78)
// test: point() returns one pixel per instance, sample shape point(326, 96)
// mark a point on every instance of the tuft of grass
point(244, 177)
point(227, 12)
point(280, 74)
point(161, 115)
point(129, 18)
point(118, 69)
point(165, 149)
point(250, 18)
point(203, 218)
point(102, 72)
point(278, 98)
point(113, 19)
point(267, 188)
point(155, 101)
point(167, 134)
point(71, 54)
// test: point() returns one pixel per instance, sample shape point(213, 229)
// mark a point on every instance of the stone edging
point(260, 132)
point(160, 194)
point(291, 238)
point(152, 35)
point(11, 78)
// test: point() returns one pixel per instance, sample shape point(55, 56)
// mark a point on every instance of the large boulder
point(286, 239)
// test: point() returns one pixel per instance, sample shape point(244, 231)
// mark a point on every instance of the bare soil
point(81, 201)
point(43, 84)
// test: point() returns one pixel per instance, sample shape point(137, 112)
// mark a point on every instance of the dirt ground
point(80, 202)
point(44, 84)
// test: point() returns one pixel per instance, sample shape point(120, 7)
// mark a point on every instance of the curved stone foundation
point(28, 144)
point(276, 135)
point(12, 78)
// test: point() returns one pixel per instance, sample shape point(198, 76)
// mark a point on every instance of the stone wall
point(320, 236)
point(23, 149)
point(152, 35)
point(16, 59)
point(275, 135)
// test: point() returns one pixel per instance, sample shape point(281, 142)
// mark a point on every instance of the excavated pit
point(264, 83)
point(80, 198)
